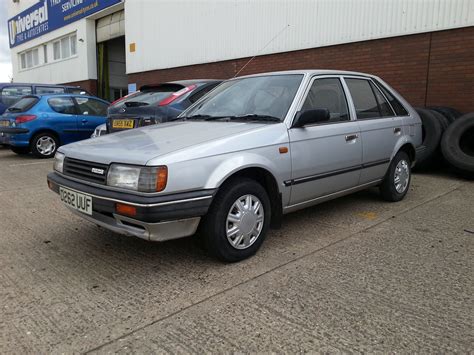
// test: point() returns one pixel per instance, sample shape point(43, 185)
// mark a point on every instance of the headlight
point(144, 179)
point(58, 162)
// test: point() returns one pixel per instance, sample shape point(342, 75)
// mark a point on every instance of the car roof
point(36, 84)
point(311, 72)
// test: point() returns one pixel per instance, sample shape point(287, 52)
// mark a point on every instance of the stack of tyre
point(450, 135)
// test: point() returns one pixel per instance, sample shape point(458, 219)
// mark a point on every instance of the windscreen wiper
point(14, 109)
point(255, 117)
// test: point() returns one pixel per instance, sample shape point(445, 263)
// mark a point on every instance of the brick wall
point(434, 68)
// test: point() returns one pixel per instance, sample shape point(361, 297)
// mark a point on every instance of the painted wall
point(173, 33)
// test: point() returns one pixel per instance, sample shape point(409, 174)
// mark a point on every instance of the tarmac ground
point(356, 274)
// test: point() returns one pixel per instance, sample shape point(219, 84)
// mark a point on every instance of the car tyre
point(397, 180)
point(431, 136)
point(44, 145)
point(450, 113)
point(20, 150)
point(238, 197)
point(457, 144)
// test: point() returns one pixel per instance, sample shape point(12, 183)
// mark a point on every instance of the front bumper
point(158, 218)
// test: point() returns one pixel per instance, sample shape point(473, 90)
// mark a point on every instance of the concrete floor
point(353, 275)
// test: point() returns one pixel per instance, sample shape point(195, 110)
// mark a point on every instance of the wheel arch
point(406, 145)
point(45, 130)
point(268, 181)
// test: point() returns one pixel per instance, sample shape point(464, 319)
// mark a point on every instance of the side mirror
point(308, 117)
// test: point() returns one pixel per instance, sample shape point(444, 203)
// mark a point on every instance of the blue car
point(11, 93)
point(41, 123)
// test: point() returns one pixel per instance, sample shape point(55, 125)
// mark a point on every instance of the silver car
point(254, 148)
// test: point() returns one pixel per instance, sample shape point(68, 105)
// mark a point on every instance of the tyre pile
point(447, 135)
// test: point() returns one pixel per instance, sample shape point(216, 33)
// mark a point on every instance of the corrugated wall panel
point(171, 33)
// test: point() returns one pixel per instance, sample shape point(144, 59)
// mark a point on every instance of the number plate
point(122, 124)
point(76, 200)
point(4, 123)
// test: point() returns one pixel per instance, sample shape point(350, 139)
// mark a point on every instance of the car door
point(326, 157)
point(63, 118)
point(91, 113)
point(379, 126)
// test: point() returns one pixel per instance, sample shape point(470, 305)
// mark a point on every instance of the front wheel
point(238, 220)
point(396, 182)
point(44, 145)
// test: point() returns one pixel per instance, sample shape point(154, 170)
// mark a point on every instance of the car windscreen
point(269, 95)
point(23, 105)
point(149, 96)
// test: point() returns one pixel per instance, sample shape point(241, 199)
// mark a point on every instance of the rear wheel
point(44, 145)
point(396, 183)
point(20, 150)
point(238, 220)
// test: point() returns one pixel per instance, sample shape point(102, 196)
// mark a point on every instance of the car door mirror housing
point(308, 117)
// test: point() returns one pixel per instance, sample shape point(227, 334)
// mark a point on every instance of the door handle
point(84, 120)
point(351, 137)
point(397, 130)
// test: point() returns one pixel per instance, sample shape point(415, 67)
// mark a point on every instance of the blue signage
point(49, 15)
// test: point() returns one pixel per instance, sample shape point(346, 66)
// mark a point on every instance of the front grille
point(81, 169)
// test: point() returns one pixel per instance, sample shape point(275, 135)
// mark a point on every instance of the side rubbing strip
point(334, 173)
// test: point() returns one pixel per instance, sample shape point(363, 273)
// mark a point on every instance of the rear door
point(91, 113)
point(63, 118)
point(326, 157)
point(379, 126)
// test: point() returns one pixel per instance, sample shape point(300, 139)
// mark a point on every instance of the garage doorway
point(112, 82)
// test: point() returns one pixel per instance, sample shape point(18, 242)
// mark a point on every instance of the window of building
point(56, 51)
point(65, 47)
point(29, 59)
point(45, 53)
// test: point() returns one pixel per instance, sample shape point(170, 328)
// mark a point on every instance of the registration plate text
point(122, 124)
point(76, 200)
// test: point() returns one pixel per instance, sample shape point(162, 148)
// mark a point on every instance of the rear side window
point(193, 98)
point(91, 107)
point(397, 106)
point(149, 97)
point(23, 105)
point(41, 90)
point(384, 107)
point(364, 99)
point(12, 94)
point(328, 94)
point(63, 105)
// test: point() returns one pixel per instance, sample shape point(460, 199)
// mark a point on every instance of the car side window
point(363, 96)
point(397, 106)
point(40, 90)
point(91, 107)
point(384, 107)
point(202, 92)
point(327, 93)
point(63, 105)
point(10, 95)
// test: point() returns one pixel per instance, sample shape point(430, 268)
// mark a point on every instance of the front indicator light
point(161, 178)
point(126, 210)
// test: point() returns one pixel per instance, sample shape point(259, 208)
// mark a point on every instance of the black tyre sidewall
point(433, 134)
point(387, 188)
point(36, 152)
point(450, 144)
point(213, 230)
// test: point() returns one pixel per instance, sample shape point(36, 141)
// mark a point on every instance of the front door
point(326, 157)
point(91, 113)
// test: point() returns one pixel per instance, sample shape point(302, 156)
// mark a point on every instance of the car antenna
point(266, 45)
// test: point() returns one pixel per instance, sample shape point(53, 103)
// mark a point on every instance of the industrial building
point(424, 48)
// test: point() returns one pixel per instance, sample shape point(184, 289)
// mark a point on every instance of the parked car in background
point(11, 93)
point(252, 149)
point(156, 103)
point(41, 123)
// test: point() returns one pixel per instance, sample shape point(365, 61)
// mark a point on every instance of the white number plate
point(76, 200)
